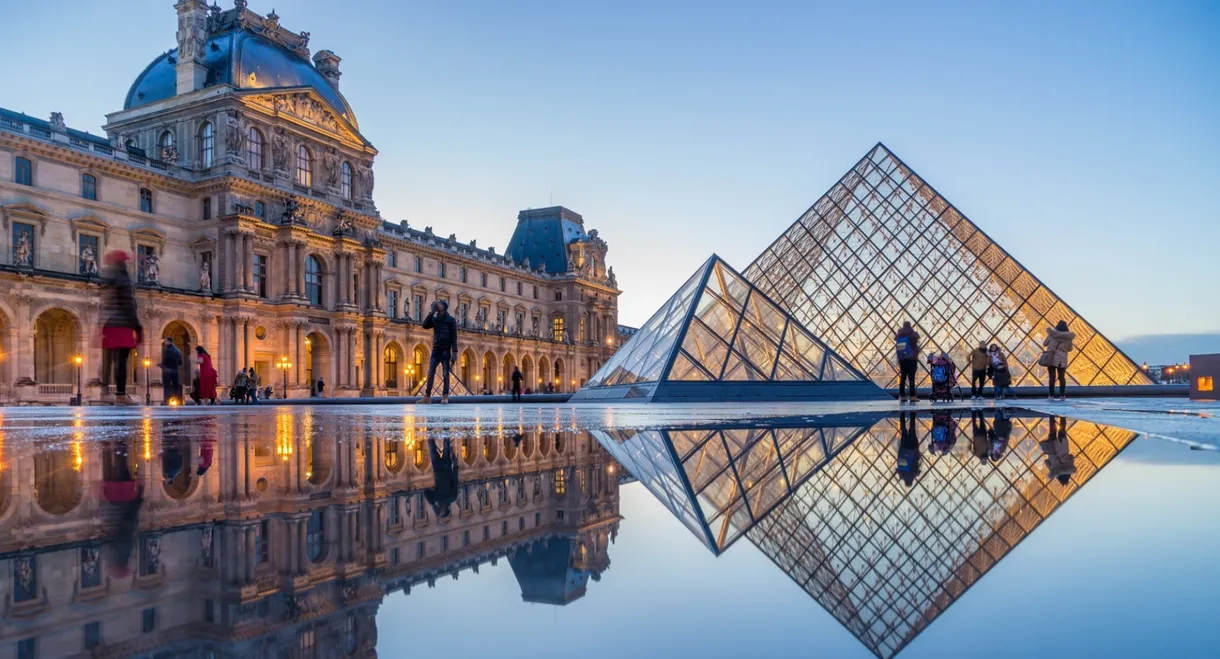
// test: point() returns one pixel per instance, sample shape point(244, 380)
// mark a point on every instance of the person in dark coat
point(444, 488)
point(1001, 431)
point(444, 348)
point(121, 329)
point(119, 512)
point(171, 366)
point(517, 378)
point(321, 388)
point(908, 450)
point(979, 363)
point(980, 446)
point(906, 343)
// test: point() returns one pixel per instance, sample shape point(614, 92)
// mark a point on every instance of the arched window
point(315, 536)
point(207, 144)
point(254, 149)
point(164, 142)
point(391, 367)
point(345, 181)
point(304, 167)
point(313, 280)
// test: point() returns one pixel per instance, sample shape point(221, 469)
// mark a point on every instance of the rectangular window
point(391, 300)
point(559, 515)
point(419, 264)
point(88, 254)
point(260, 274)
point(90, 567)
point(420, 552)
point(145, 254)
point(93, 635)
point(418, 307)
point(537, 520)
point(150, 556)
point(207, 208)
point(559, 296)
point(466, 538)
point(440, 269)
point(146, 204)
point(260, 210)
point(149, 620)
point(391, 258)
point(393, 518)
point(486, 533)
point(25, 576)
point(27, 648)
point(483, 279)
point(394, 556)
point(504, 527)
point(1206, 383)
point(209, 611)
point(444, 543)
point(520, 322)
point(262, 542)
point(88, 186)
point(535, 291)
point(503, 284)
point(24, 173)
point(463, 316)
point(463, 273)
point(557, 328)
point(519, 287)
point(23, 244)
point(521, 523)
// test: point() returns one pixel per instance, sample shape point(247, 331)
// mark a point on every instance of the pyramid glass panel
point(456, 386)
point(882, 247)
point(721, 329)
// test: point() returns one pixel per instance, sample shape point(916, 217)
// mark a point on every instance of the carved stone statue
point(610, 276)
point(191, 35)
point(57, 122)
point(23, 254)
point(150, 268)
point(88, 260)
point(235, 136)
point(343, 227)
point(170, 154)
point(364, 173)
point(205, 275)
point(330, 165)
point(291, 212)
point(279, 149)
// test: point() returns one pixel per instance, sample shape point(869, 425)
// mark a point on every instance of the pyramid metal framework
point(721, 338)
point(886, 559)
point(882, 247)
point(456, 386)
point(824, 504)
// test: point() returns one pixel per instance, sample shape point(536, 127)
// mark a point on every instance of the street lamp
point(78, 360)
point(283, 364)
point(147, 387)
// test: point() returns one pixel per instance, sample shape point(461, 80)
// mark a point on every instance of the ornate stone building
point(290, 539)
point(237, 176)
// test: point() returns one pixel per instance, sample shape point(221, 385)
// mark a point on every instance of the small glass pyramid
point(456, 386)
point(721, 338)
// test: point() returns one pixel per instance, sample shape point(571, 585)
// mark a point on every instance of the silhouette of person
point(1001, 430)
point(980, 444)
point(1060, 463)
point(944, 432)
point(908, 450)
point(444, 488)
point(122, 497)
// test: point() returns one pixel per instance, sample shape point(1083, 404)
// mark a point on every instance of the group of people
point(987, 362)
point(988, 443)
point(246, 389)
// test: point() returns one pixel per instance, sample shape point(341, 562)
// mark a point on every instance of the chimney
point(192, 39)
point(327, 63)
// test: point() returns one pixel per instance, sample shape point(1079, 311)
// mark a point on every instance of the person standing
point(517, 378)
point(208, 378)
point(121, 331)
point(240, 382)
point(1001, 377)
point(444, 488)
point(907, 466)
point(906, 343)
point(444, 348)
point(321, 388)
point(252, 384)
point(1058, 343)
point(171, 365)
point(979, 361)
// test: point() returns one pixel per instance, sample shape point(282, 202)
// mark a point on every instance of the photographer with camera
point(444, 348)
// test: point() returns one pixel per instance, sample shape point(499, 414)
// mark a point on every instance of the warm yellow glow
point(78, 360)
point(173, 402)
point(78, 453)
point(1206, 383)
point(147, 429)
point(147, 362)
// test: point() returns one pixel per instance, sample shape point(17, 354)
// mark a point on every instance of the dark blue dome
point(244, 60)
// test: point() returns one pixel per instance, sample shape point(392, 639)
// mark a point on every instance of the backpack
point(940, 374)
point(905, 349)
point(940, 433)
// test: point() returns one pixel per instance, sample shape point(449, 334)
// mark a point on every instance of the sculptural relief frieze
point(303, 106)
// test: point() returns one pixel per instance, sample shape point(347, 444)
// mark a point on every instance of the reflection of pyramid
point(882, 247)
point(719, 338)
point(719, 483)
point(456, 386)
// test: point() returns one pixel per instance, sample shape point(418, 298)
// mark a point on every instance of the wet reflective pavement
point(549, 531)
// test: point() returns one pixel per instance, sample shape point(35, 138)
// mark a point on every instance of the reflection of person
point(1001, 430)
point(517, 378)
point(207, 448)
point(120, 513)
point(444, 348)
point(444, 489)
point(908, 450)
point(980, 446)
point(944, 432)
point(171, 364)
point(1059, 459)
point(121, 331)
point(173, 458)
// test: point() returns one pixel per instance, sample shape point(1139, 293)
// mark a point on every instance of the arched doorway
point(56, 341)
point(489, 373)
point(180, 334)
point(57, 480)
point(466, 369)
point(506, 373)
point(419, 366)
point(557, 377)
point(394, 377)
point(527, 373)
point(544, 371)
point(317, 363)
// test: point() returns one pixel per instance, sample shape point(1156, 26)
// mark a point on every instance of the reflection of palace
point(297, 528)
point(829, 506)
point(237, 177)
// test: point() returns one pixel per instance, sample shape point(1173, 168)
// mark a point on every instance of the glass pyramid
point(882, 247)
point(718, 338)
point(456, 386)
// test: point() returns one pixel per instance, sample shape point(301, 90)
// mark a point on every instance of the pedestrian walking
point(517, 378)
point(444, 348)
point(979, 361)
point(238, 391)
point(906, 347)
point(320, 388)
point(171, 367)
point(1058, 343)
point(252, 385)
point(121, 331)
point(208, 378)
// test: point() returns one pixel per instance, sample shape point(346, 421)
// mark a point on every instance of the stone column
point(379, 361)
point(342, 282)
point(351, 357)
point(247, 261)
point(336, 358)
point(298, 360)
point(300, 548)
point(367, 379)
point(298, 273)
point(250, 555)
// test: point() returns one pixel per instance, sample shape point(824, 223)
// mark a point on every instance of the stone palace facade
point(237, 177)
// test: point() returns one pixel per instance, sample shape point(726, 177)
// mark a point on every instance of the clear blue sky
point(1082, 135)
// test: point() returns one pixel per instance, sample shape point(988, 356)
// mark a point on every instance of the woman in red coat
point(207, 377)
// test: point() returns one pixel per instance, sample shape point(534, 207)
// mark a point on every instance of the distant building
point(1204, 372)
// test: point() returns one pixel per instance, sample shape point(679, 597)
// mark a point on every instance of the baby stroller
point(944, 378)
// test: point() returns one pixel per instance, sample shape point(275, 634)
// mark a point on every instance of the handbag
point(1046, 358)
